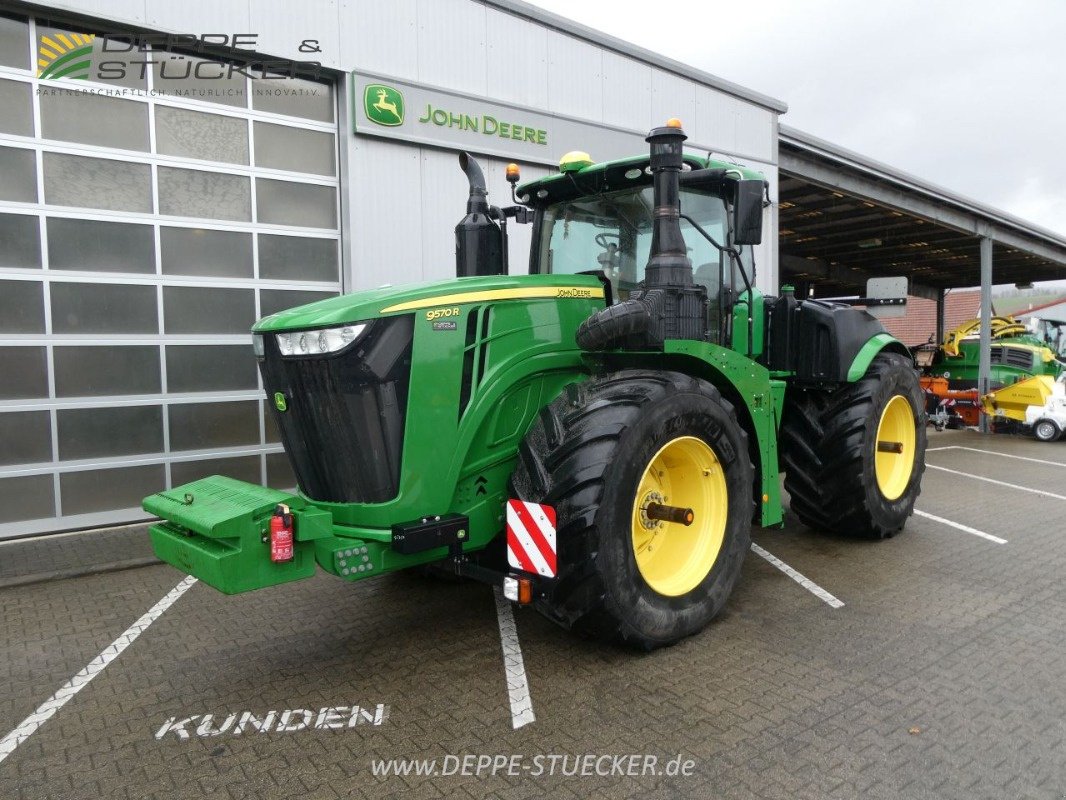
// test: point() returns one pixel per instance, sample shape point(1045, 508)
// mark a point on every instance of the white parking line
point(1005, 455)
point(49, 707)
point(802, 580)
point(961, 527)
point(513, 665)
point(998, 483)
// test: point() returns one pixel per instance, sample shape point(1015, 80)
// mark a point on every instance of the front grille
point(344, 419)
point(1011, 356)
point(1018, 357)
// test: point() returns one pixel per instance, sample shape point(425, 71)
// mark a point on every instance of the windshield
point(612, 232)
point(1052, 333)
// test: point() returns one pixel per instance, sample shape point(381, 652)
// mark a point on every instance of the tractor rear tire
point(836, 476)
point(599, 454)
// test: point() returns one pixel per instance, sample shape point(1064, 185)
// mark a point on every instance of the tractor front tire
point(601, 454)
point(853, 457)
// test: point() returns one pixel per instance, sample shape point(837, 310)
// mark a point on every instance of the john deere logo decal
point(65, 55)
point(383, 105)
point(279, 402)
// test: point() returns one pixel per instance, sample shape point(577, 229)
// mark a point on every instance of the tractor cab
point(599, 219)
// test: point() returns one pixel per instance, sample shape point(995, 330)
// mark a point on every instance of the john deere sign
point(484, 123)
point(402, 110)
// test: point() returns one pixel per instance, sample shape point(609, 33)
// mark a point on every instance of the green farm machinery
point(597, 437)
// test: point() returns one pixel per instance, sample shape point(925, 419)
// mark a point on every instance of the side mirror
point(747, 212)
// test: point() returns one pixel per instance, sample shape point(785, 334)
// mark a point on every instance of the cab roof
point(609, 176)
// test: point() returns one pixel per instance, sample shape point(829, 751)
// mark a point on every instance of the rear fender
point(882, 342)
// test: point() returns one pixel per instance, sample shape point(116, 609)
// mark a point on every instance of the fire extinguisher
point(281, 534)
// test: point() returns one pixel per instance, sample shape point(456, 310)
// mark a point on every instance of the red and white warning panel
point(531, 538)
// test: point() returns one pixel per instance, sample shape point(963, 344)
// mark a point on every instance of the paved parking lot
point(942, 675)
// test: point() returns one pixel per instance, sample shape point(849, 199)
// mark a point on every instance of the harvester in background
point(1019, 351)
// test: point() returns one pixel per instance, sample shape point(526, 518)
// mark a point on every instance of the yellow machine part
point(1011, 401)
point(1001, 327)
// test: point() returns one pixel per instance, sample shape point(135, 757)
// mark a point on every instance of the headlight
point(257, 345)
point(324, 340)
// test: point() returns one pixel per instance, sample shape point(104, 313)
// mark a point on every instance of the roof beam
point(797, 162)
point(895, 245)
point(839, 273)
point(833, 221)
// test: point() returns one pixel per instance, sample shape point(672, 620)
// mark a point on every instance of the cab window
point(612, 232)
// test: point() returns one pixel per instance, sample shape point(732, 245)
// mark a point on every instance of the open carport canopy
point(845, 218)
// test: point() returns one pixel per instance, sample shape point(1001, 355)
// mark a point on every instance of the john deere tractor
point(596, 437)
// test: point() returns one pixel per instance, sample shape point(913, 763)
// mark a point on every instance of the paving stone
point(782, 697)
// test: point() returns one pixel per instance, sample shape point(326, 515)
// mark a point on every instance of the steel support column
point(940, 295)
point(984, 368)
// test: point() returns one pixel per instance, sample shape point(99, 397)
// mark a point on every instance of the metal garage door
point(144, 226)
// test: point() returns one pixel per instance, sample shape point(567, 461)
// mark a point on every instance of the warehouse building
point(164, 184)
point(148, 218)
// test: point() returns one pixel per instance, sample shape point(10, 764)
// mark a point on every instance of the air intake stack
point(669, 305)
point(669, 264)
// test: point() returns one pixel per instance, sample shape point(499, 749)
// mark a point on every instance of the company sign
point(111, 57)
point(402, 110)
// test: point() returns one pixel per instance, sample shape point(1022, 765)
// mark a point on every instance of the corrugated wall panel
point(198, 16)
point(755, 131)
point(385, 248)
point(380, 36)
point(672, 96)
point(575, 72)
point(444, 193)
point(626, 91)
point(517, 60)
point(451, 45)
point(716, 120)
point(281, 32)
point(126, 10)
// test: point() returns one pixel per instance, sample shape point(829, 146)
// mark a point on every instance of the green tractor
point(597, 437)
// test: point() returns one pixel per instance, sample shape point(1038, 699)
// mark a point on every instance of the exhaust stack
point(479, 245)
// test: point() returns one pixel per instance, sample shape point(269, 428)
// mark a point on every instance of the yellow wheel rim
point(894, 457)
point(674, 558)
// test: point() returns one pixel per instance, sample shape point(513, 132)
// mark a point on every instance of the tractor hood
point(388, 301)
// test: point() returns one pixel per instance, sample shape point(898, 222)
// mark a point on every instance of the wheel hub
point(648, 499)
point(684, 486)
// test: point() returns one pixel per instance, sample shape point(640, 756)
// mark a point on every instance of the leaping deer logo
point(387, 109)
point(384, 104)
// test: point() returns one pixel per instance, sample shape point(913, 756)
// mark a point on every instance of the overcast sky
point(969, 95)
